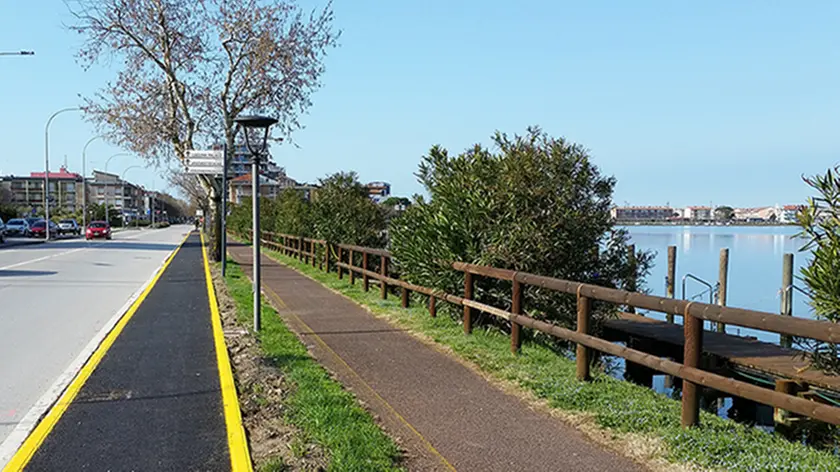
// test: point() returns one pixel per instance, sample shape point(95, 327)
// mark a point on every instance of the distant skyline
point(684, 103)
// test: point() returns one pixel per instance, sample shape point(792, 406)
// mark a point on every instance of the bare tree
point(189, 68)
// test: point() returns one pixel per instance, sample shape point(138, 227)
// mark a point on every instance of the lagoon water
point(755, 265)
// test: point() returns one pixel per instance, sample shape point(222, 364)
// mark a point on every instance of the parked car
point(2, 231)
point(39, 229)
point(17, 227)
point(69, 227)
point(98, 229)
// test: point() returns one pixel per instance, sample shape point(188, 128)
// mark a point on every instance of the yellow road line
point(276, 298)
point(240, 458)
point(46, 425)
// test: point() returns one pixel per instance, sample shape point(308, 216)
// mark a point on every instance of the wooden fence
point(318, 253)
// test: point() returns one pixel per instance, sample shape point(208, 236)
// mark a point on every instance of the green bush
point(342, 212)
point(537, 205)
point(820, 222)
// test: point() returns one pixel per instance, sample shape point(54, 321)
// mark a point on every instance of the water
point(755, 265)
point(754, 281)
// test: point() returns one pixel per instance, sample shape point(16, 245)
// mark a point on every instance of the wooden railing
point(319, 253)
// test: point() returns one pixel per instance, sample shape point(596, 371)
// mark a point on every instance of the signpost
point(212, 163)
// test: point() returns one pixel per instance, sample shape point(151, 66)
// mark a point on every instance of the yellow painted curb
point(240, 458)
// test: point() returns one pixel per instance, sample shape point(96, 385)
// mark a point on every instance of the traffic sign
point(210, 162)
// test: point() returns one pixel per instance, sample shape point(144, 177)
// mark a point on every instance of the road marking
point(31, 444)
point(240, 458)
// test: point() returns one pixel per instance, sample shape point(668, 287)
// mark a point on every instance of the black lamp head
point(255, 122)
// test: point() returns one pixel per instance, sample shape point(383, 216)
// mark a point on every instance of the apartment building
point(109, 188)
point(643, 213)
point(65, 192)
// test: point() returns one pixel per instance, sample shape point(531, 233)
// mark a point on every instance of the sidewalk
point(150, 397)
point(445, 415)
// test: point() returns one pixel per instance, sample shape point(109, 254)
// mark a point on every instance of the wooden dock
point(750, 354)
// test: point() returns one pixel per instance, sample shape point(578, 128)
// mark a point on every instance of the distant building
point(241, 187)
point(787, 213)
point(65, 190)
point(643, 213)
point(756, 214)
point(240, 164)
point(123, 195)
point(378, 191)
point(698, 213)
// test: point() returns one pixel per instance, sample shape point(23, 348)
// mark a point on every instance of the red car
point(39, 229)
point(98, 229)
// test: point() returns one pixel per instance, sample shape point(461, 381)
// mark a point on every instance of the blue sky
point(683, 102)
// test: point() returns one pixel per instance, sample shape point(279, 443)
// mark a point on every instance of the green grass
point(615, 405)
point(317, 404)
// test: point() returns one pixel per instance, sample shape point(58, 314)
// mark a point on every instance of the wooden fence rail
point(693, 312)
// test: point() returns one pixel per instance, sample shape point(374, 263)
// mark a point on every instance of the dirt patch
point(273, 443)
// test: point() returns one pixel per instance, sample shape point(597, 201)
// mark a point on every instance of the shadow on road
point(26, 273)
point(102, 244)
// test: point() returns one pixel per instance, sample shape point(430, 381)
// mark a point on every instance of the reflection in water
point(755, 263)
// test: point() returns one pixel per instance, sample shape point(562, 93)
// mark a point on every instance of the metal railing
point(319, 252)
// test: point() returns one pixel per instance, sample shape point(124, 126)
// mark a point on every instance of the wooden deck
point(755, 355)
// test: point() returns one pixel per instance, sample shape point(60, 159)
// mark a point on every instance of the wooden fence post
point(670, 279)
point(631, 284)
point(584, 314)
point(327, 257)
point(383, 269)
point(468, 295)
point(722, 283)
point(301, 254)
point(339, 261)
point(787, 294)
point(365, 280)
point(432, 306)
point(312, 253)
point(404, 297)
point(352, 272)
point(515, 328)
point(693, 350)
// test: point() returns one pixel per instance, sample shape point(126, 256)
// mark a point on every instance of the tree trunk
point(217, 227)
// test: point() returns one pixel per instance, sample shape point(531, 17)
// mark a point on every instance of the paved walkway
point(445, 415)
point(154, 401)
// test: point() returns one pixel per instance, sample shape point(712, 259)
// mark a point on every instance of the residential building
point(787, 213)
point(28, 192)
point(378, 191)
point(756, 214)
point(643, 213)
point(240, 164)
point(125, 196)
point(698, 213)
point(241, 187)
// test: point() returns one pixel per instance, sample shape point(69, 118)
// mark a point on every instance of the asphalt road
point(57, 301)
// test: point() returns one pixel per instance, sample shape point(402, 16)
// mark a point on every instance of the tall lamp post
point(122, 178)
point(84, 181)
point(107, 217)
point(257, 150)
point(47, 168)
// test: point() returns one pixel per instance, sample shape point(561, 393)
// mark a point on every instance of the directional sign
point(205, 162)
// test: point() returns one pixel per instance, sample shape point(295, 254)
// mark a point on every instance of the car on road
point(98, 229)
point(17, 227)
point(39, 229)
point(69, 227)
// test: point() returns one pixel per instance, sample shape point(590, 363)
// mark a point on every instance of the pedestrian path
point(157, 394)
point(445, 415)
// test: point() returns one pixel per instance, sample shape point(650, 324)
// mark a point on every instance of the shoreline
point(702, 223)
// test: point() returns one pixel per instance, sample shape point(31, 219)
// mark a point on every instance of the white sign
point(205, 162)
point(217, 155)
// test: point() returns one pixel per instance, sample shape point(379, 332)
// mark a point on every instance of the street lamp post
point(122, 178)
point(84, 181)
point(105, 199)
point(256, 123)
point(47, 168)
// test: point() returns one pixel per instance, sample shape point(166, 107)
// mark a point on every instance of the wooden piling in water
point(787, 294)
point(670, 280)
point(723, 272)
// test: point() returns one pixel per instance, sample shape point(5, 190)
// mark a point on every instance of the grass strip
point(616, 405)
point(317, 404)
